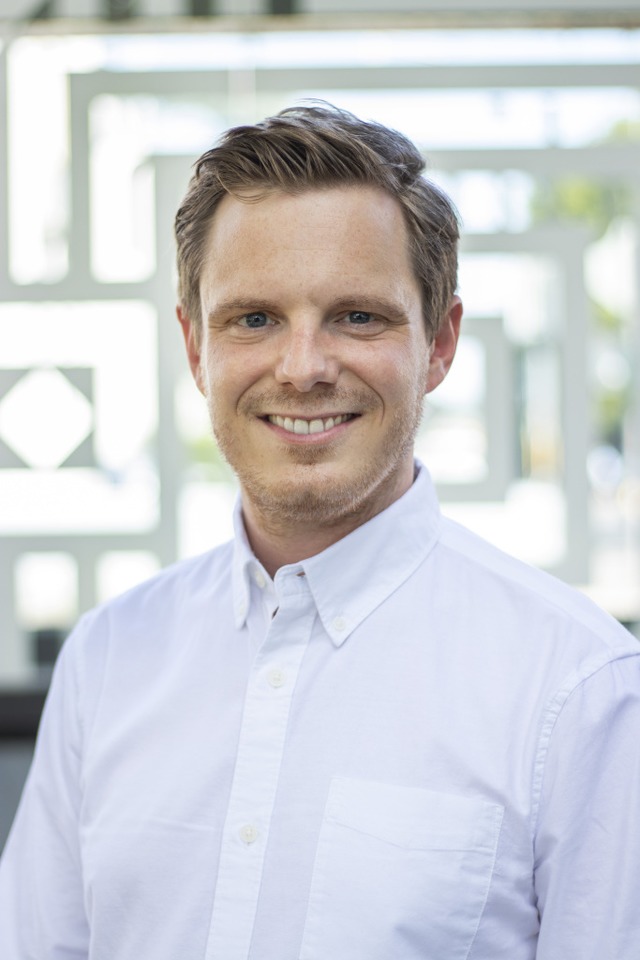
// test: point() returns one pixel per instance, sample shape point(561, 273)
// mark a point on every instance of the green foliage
point(604, 319)
point(580, 199)
point(624, 131)
point(595, 203)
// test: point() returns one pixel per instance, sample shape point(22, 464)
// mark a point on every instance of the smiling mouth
point(301, 425)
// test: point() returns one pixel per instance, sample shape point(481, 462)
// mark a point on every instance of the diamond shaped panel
point(43, 418)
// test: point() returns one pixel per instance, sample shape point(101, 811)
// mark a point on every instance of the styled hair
point(313, 147)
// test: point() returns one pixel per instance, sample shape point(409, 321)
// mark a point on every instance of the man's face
point(313, 355)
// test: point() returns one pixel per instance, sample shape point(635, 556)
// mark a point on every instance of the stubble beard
point(313, 496)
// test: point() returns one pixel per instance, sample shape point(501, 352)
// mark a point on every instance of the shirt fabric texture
point(408, 747)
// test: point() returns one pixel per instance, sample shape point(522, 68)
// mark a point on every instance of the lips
point(302, 425)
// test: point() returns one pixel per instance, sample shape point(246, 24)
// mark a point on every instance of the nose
point(306, 359)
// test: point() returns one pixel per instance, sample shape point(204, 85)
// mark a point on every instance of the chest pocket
point(401, 873)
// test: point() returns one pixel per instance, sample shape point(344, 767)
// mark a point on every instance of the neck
point(300, 523)
point(277, 544)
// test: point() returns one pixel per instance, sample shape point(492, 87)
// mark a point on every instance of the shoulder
point(184, 581)
point(535, 606)
point(140, 636)
point(155, 611)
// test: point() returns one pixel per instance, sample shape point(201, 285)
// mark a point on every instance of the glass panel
point(119, 570)
point(46, 590)
point(78, 391)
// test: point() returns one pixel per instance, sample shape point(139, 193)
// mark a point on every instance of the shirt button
point(248, 833)
point(276, 677)
point(339, 623)
point(259, 578)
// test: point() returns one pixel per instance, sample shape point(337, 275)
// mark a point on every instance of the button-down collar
point(352, 577)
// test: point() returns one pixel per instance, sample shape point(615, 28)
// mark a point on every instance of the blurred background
point(530, 119)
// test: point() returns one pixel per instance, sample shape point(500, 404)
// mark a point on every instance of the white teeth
point(300, 426)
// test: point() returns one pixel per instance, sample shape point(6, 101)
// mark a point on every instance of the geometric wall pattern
point(52, 409)
point(46, 418)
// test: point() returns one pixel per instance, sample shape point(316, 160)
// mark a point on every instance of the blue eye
point(254, 321)
point(360, 317)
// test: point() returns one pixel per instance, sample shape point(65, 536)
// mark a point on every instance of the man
point(358, 732)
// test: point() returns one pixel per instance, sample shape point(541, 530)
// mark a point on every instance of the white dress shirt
point(408, 747)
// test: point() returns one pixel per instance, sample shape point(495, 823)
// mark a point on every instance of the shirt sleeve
point(587, 841)
point(41, 900)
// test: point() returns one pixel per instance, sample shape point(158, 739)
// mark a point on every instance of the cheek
point(229, 374)
point(404, 378)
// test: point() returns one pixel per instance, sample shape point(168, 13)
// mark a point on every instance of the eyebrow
point(248, 304)
point(370, 304)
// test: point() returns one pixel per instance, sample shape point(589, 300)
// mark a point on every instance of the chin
point(319, 497)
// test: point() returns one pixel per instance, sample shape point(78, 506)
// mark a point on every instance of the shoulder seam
point(551, 716)
point(574, 613)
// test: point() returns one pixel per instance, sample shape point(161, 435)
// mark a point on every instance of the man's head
point(310, 148)
point(318, 308)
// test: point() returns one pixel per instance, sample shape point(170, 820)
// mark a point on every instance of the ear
point(192, 340)
point(443, 346)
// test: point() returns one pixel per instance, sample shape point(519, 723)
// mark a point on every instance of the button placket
point(269, 691)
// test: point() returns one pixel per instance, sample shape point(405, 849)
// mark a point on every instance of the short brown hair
point(316, 146)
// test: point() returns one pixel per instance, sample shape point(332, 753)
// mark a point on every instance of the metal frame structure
point(564, 245)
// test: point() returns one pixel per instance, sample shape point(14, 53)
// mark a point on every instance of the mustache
point(318, 400)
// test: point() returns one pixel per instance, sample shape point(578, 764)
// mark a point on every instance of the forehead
point(336, 207)
point(319, 235)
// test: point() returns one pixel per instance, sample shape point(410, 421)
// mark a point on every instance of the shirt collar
point(352, 577)
point(244, 562)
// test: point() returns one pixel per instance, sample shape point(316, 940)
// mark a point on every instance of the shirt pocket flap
point(414, 817)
